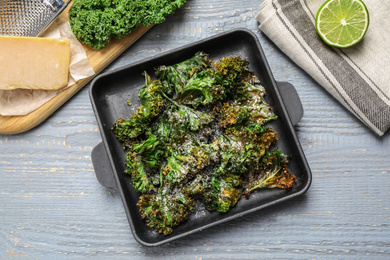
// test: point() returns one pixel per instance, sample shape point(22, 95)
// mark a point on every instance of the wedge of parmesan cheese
point(33, 63)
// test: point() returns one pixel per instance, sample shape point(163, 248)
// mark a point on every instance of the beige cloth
point(358, 77)
point(21, 102)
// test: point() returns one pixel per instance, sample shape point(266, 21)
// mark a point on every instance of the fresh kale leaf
point(95, 22)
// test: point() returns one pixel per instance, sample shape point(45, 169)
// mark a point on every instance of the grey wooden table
point(52, 206)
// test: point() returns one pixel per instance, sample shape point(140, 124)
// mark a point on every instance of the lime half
point(342, 23)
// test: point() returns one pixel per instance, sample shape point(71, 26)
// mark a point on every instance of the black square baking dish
point(110, 92)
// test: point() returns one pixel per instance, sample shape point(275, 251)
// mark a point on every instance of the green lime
point(342, 23)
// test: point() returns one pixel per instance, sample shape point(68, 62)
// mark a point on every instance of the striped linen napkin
point(358, 77)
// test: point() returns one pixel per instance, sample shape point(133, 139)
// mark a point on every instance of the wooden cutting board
point(99, 59)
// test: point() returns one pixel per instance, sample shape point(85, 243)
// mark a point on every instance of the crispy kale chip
point(143, 163)
point(175, 77)
point(230, 72)
point(201, 133)
point(142, 180)
point(201, 89)
point(186, 159)
point(188, 118)
point(151, 106)
point(224, 192)
point(240, 151)
point(95, 22)
point(166, 209)
point(207, 86)
point(248, 106)
point(217, 192)
point(271, 173)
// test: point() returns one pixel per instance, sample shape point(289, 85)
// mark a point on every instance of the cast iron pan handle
point(291, 101)
point(102, 165)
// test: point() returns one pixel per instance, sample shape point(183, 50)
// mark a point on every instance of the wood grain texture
point(52, 207)
point(99, 59)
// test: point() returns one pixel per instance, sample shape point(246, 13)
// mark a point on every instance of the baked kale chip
point(200, 134)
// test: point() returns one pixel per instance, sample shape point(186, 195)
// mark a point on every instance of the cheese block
point(33, 63)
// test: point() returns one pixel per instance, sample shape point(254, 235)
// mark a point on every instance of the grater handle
point(55, 4)
point(58, 6)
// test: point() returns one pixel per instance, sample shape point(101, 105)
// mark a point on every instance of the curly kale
point(201, 133)
point(95, 22)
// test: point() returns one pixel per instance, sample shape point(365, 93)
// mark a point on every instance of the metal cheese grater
point(28, 17)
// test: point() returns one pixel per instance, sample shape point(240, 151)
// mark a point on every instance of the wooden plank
point(99, 59)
